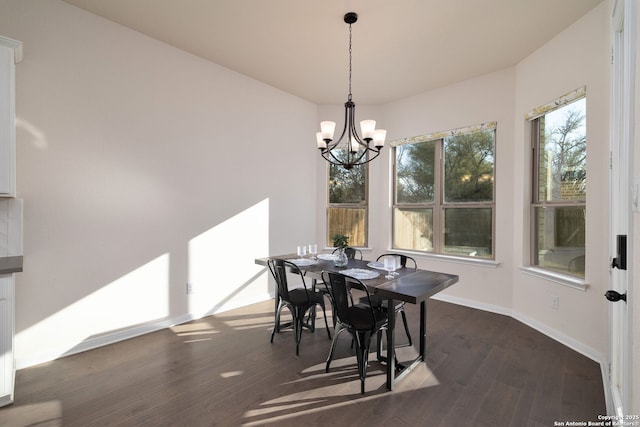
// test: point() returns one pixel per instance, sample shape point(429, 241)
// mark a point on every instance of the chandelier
point(350, 149)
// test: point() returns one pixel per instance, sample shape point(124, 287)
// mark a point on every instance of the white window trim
point(444, 134)
point(476, 262)
point(565, 99)
point(550, 276)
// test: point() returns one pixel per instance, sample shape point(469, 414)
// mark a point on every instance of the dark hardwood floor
point(482, 369)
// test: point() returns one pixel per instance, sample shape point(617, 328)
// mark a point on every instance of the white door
point(622, 137)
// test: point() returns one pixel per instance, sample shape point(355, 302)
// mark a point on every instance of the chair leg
point(298, 321)
point(379, 345)
point(406, 325)
point(363, 339)
point(310, 318)
point(336, 332)
point(333, 309)
point(326, 322)
point(276, 324)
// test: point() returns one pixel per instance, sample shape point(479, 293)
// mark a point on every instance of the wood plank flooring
point(482, 369)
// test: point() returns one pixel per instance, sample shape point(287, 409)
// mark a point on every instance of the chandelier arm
point(352, 126)
point(328, 155)
point(356, 159)
point(346, 125)
point(334, 161)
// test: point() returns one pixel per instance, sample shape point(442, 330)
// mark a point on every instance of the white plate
point(303, 262)
point(360, 273)
point(326, 257)
point(377, 265)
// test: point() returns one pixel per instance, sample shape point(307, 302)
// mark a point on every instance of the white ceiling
point(400, 47)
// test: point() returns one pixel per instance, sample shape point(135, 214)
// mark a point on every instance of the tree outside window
point(347, 207)
point(444, 193)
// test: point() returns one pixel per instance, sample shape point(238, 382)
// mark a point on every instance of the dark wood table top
point(411, 285)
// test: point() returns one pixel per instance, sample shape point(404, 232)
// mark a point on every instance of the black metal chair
point(399, 308)
point(298, 301)
point(352, 253)
point(360, 320)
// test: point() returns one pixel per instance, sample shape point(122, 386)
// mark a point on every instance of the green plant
point(340, 241)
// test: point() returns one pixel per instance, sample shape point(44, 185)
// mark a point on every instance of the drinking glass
point(302, 251)
point(390, 266)
point(313, 250)
point(396, 264)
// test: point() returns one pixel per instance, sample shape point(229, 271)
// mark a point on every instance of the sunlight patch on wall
point(222, 272)
point(36, 136)
point(138, 297)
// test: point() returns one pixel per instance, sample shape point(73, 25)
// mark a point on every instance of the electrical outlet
point(555, 302)
point(189, 288)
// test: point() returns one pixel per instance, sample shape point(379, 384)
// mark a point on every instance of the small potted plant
point(341, 242)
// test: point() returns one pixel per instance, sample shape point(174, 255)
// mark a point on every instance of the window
point(558, 209)
point(444, 192)
point(347, 207)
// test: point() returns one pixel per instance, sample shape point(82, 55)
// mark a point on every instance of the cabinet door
point(7, 364)
point(7, 117)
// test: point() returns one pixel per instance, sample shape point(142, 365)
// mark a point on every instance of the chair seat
point(299, 297)
point(360, 317)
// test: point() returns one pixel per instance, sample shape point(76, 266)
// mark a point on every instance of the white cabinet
point(10, 54)
point(10, 215)
point(7, 363)
point(10, 262)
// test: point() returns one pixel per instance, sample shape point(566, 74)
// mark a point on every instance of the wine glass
point(302, 251)
point(313, 251)
point(390, 266)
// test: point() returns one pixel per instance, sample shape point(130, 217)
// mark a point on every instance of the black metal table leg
point(391, 354)
point(423, 328)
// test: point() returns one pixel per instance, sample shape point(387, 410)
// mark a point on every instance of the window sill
point(561, 279)
point(477, 262)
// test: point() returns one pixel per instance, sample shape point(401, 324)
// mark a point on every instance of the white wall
point(483, 99)
point(577, 57)
point(143, 168)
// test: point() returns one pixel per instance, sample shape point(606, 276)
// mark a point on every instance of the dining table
point(414, 286)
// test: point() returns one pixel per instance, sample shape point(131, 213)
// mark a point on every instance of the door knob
point(614, 296)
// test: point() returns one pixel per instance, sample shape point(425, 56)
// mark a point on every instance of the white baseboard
point(100, 340)
point(124, 334)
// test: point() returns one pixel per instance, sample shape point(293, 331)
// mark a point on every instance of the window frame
point(365, 206)
point(535, 203)
point(439, 205)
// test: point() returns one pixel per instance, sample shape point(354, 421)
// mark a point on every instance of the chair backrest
point(340, 287)
point(403, 260)
point(278, 268)
point(351, 252)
